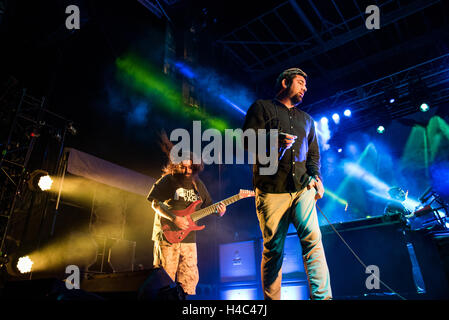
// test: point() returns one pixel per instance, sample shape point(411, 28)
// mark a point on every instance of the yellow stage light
point(24, 264)
point(39, 180)
point(45, 183)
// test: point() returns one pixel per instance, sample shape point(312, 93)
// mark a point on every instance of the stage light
point(347, 113)
point(324, 120)
point(24, 264)
point(340, 150)
point(34, 135)
point(380, 129)
point(45, 183)
point(424, 107)
point(336, 118)
point(411, 203)
point(39, 180)
point(390, 94)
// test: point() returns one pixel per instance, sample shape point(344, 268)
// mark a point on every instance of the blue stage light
point(336, 118)
point(392, 100)
point(356, 171)
point(347, 113)
point(185, 70)
point(232, 104)
point(340, 150)
point(324, 120)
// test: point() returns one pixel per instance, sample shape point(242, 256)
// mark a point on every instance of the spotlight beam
point(341, 188)
point(354, 170)
point(222, 97)
point(337, 198)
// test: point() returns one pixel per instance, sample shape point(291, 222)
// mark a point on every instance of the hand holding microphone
point(285, 142)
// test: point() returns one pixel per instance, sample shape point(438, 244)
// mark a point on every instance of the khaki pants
point(178, 260)
point(275, 212)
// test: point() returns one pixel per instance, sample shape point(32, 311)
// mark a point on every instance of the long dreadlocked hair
point(176, 168)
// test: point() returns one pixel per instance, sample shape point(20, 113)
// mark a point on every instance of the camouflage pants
point(179, 260)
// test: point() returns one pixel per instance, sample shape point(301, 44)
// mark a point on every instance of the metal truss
point(156, 8)
point(303, 32)
point(16, 152)
point(369, 102)
point(26, 117)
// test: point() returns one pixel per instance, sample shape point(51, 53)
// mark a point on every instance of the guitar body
point(175, 235)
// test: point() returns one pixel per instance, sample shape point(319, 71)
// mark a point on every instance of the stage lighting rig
point(419, 94)
point(40, 180)
point(4, 259)
point(432, 213)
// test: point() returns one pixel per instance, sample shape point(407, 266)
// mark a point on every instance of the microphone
point(282, 150)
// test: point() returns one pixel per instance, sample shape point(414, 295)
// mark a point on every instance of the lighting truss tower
point(23, 118)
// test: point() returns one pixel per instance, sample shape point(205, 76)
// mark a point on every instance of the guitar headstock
point(246, 193)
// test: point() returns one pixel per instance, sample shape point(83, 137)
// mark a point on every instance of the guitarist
point(178, 187)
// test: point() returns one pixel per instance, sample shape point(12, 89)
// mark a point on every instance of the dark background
point(76, 72)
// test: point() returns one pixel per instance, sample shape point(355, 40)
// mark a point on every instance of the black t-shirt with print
point(177, 192)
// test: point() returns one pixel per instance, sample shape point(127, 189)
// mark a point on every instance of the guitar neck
point(213, 208)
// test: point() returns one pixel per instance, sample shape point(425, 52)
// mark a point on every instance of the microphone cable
point(356, 256)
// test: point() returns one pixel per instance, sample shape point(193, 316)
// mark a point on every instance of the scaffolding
point(26, 118)
point(294, 32)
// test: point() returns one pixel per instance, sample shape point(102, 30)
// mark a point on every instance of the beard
point(296, 99)
point(181, 177)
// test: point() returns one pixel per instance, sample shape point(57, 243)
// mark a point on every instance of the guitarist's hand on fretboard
point(221, 209)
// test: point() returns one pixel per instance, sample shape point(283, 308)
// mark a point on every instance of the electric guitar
point(174, 235)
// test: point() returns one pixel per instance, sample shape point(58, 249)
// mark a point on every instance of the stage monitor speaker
point(383, 245)
point(237, 262)
point(159, 286)
point(292, 262)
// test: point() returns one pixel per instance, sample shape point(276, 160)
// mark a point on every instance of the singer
point(290, 194)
